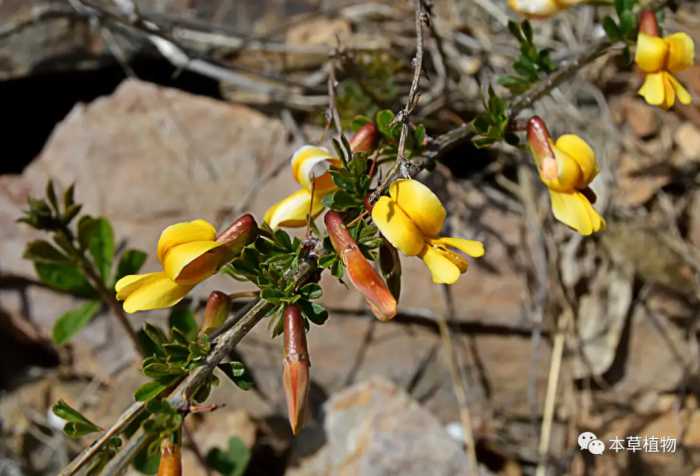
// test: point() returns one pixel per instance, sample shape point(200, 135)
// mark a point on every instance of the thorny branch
point(238, 326)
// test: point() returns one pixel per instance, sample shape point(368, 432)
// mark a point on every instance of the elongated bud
point(360, 272)
point(216, 312)
point(648, 24)
point(365, 139)
point(240, 233)
point(295, 371)
point(170, 458)
point(540, 142)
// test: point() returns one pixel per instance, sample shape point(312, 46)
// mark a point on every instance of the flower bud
point(216, 312)
point(647, 23)
point(365, 139)
point(170, 458)
point(359, 271)
point(540, 142)
point(295, 372)
point(240, 233)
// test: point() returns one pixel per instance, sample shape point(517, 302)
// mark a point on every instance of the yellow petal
point(151, 291)
point(443, 270)
point(421, 205)
point(581, 152)
point(653, 90)
point(311, 163)
point(190, 263)
point(470, 247)
point(651, 53)
point(574, 210)
point(669, 91)
point(293, 211)
point(129, 283)
point(397, 227)
point(681, 52)
point(569, 174)
point(534, 8)
point(179, 233)
point(682, 93)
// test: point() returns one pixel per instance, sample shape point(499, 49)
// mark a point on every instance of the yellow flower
point(310, 164)
point(189, 253)
point(566, 167)
point(410, 218)
point(659, 57)
point(540, 8)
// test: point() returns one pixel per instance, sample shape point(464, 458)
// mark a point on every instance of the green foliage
point(390, 131)
point(78, 260)
point(48, 214)
point(625, 28)
point(491, 126)
point(271, 263)
point(97, 237)
point(130, 263)
point(162, 422)
point(76, 424)
point(230, 462)
point(238, 374)
point(532, 62)
point(73, 321)
point(170, 358)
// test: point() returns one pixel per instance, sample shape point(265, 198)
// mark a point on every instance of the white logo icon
point(588, 441)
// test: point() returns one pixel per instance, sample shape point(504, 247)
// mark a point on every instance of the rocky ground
point(383, 401)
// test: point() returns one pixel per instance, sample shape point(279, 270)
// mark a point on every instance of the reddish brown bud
point(365, 139)
point(539, 140)
point(648, 23)
point(359, 271)
point(170, 458)
point(216, 312)
point(295, 372)
point(240, 233)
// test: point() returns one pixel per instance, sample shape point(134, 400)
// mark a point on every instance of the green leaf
point(419, 135)
point(97, 236)
point(130, 263)
point(628, 24)
point(51, 195)
point(515, 30)
point(358, 122)
point(527, 30)
point(233, 461)
point(384, 119)
point(41, 251)
point(238, 374)
point(182, 318)
point(314, 312)
point(311, 291)
point(611, 29)
point(158, 370)
point(76, 424)
point(72, 322)
point(66, 278)
point(149, 391)
point(147, 460)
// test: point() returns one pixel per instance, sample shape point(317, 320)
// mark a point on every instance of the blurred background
point(99, 95)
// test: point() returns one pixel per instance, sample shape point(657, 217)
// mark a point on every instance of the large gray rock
point(375, 429)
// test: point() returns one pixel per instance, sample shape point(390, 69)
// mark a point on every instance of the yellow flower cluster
point(658, 58)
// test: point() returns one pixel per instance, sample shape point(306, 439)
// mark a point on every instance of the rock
point(374, 428)
point(640, 117)
point(687, 137)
